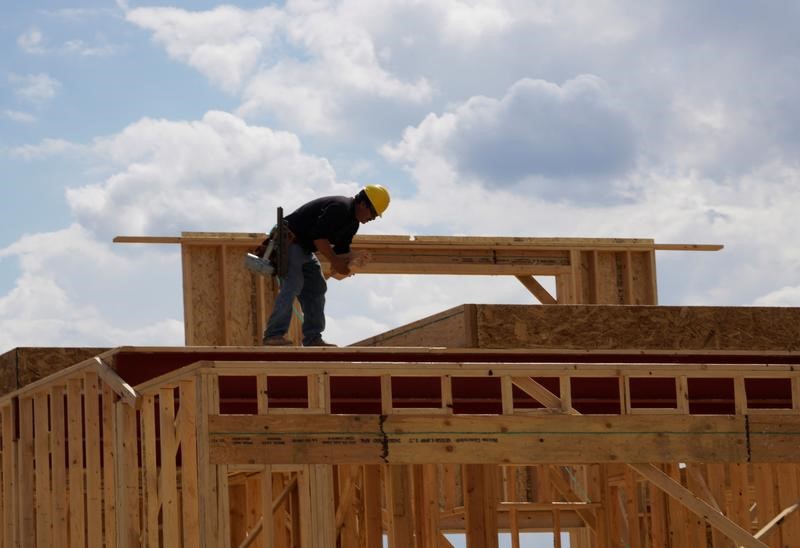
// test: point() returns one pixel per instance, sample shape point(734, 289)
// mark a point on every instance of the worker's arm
point(339, 263)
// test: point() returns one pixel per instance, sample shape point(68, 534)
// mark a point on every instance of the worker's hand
point(340, 264)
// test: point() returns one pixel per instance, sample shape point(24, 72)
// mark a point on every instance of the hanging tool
point(271, 258)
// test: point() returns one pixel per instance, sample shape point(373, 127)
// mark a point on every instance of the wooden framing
point(189, 473)
point(224, 304)
point(666, 427)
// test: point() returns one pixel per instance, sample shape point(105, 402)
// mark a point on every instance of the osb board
point(608, 290)
point(644, 289)
point(224, 304)
point(448, 328)
point(203, 296)
point(638, 327)
point(241, 320)
point(22, 366)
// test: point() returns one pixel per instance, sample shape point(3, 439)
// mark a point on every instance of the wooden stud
point(480, 505)
point(788, 494)
point(77, 516)
point(147, 419)
point(109, 467)
point(58, 438)
point(128, 516)
point(169, 483)
point(94, 480)
point(207, 488)
point(399, 506)
point(373, 528)
point(632, 509)
point(42, 470)
point(188, 308)
point(10, 479)
point(223, 290)
point(187, 434)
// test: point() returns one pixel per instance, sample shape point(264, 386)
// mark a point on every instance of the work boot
point(320, 342)
point(277, 340)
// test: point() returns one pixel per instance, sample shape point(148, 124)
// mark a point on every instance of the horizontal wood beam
point(400, 439)
point(389, 242)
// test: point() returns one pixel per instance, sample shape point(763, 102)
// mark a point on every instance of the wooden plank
point(10, 480)
point(430, 506)
point(207, 486)
point(94, 481)
point(347, 507)
point(152, 503)
point(766, 496)
point(169, 484)
point(109, 466)
point(789, 494)
point(774, 440)
point(419, 439)
point(43, 518)
point(677, 527)
point(187, 435)
point(27, 517)
point(59, 462)
point(480, 505)
point(188, 302)
point(249, 239)
point(632, 509)
point(399, 506)
point(77, 513)
point(455, 327)
point(599, 492)
point(698, 506)
point(373, 527)
point(536, 289)
point(717, 485)
point(127, 471)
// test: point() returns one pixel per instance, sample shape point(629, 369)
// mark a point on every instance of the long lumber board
point(398, 439)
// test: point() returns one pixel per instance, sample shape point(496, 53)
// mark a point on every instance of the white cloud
point(540, 135)
point(32, 42)
point(47, 148)
point(84, 49)
point(785, 296)
point(19, 116)
point(224, 44)
point(69, 294)
point(308, 64)
point(214, 174)
point(35, 88)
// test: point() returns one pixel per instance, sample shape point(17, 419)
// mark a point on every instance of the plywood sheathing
point(24, 365)
point(599, 327)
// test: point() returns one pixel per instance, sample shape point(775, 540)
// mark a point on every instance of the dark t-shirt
point(332, 218)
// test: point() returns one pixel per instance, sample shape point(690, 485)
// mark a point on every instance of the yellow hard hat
point(378, 197)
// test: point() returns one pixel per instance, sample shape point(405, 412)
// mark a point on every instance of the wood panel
point(24, 365)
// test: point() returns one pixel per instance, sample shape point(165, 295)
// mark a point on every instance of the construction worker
point(323, 226)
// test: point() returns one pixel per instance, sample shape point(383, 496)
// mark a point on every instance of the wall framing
point(670, 426)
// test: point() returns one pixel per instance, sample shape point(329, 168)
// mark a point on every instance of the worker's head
point(371, 202)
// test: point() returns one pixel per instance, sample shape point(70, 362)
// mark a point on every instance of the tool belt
point(262, 248)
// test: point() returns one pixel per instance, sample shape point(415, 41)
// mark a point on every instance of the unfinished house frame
point(619, 426)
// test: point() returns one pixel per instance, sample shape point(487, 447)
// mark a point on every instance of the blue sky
point(676, 121)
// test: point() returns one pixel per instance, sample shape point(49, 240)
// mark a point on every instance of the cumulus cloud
point(69, 291)
point(538, 132)
point(19, 116)
point(217, 173)
point(32, 42)
point(307, 64)
point(224, 44)
point(84, 49)
point(35, 88)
